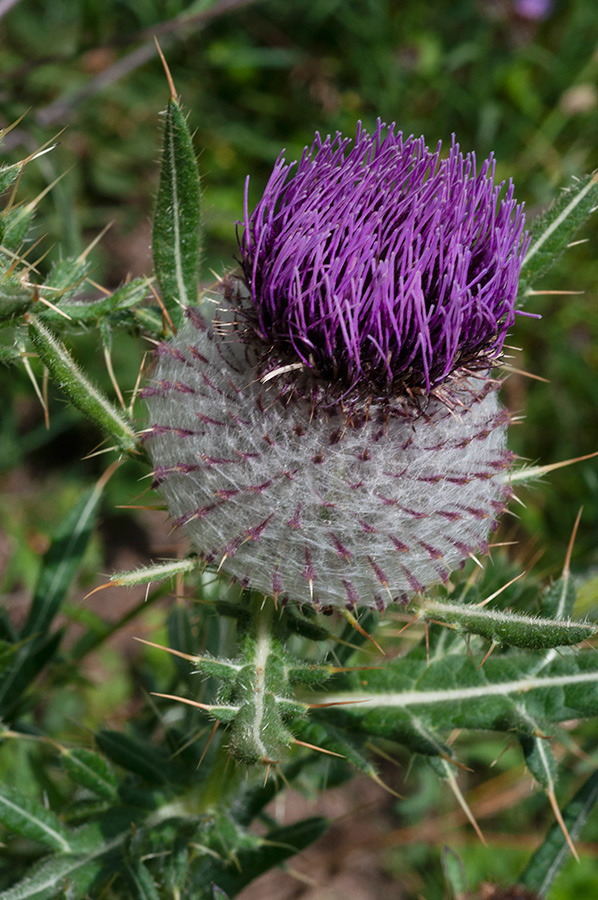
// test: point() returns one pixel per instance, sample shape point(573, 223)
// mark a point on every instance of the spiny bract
point(333, 436)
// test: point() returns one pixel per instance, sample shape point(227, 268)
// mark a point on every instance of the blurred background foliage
point(515, 77)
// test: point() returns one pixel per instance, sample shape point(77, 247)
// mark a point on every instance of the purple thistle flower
point(380, 261)
point(333, 435)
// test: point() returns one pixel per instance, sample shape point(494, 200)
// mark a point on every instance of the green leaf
point(30, 660)
point(23, 816)
point(135, 756)
point(408, 696)
point(80, 391)
point(454, 872)
point(65, 277)
point(16, 224)
point(510, 629)
point(61, 561)
point(539, 760)
point(559, 599)
point(56, 873)
point(142, 882)
point(554, 230)
point(549, 858)
point(278, 845)
point(123, 297)
point(9, 354)
point(8, 174)
point(176, 231)
point(92, 771)
point(16, 297)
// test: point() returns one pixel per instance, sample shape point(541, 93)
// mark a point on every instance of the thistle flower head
point(332, 435)
point(378, 260)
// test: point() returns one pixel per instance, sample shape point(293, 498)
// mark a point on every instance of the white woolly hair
point(311, 505)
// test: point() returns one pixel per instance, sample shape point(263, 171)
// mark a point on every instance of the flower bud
point(333, 435)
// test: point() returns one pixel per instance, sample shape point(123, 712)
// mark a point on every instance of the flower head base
point(380, 261)
point(332, 436)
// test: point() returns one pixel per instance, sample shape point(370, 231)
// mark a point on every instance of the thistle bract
point(332, 435)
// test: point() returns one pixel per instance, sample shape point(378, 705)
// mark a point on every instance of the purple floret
point(376, 260)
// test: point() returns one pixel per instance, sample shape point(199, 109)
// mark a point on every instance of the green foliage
point(176, 233)
point(159, 798)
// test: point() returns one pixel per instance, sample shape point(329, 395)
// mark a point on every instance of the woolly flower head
point(332, 435)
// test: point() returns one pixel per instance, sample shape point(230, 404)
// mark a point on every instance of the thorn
point(464, 806)
point(267, 774)
point(222, 561)
point(319, 749)
point(476, 560)
point(53, 306)
point(173, 94)
point(137, 385)
point(501, 754)
point(355, 624)
point(333, 703)
point(334, 669)
point(375, 777)
point(208, 742)
point(566, 570)
point(409, 624)
point(104, 290)
point(532, 293)
point(500, 590)
point(455, 762)
point(196, 703)
point(384, 755)
point(32, 378)
point(187, 656)
point(492, 646)
point(101, 587)
point(558, 816)
point(538, 471)
point(108, 361)
point(515, 371)
point(83, 256)
point(45, 384)
point(165, 314)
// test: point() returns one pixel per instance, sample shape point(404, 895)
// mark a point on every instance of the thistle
point(333, 436)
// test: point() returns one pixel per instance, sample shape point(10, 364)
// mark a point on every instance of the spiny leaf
point(66, 276)
point(80, 391)
point(31, 658)
point(142, 882)
point(454, 693)
point(8, 175)
point(539, 760)
point(176, 232)
point(510, 629)
point(92, 771)
point(61, 561)
point(56, 873)
point(123, 297)
point(278, 845)
point(549, 858)
point(16, 224)
point(23, 816)
point(9, 354)
point(555, 229)
point(135, 756)
point(16, 297)
point(559, 599)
